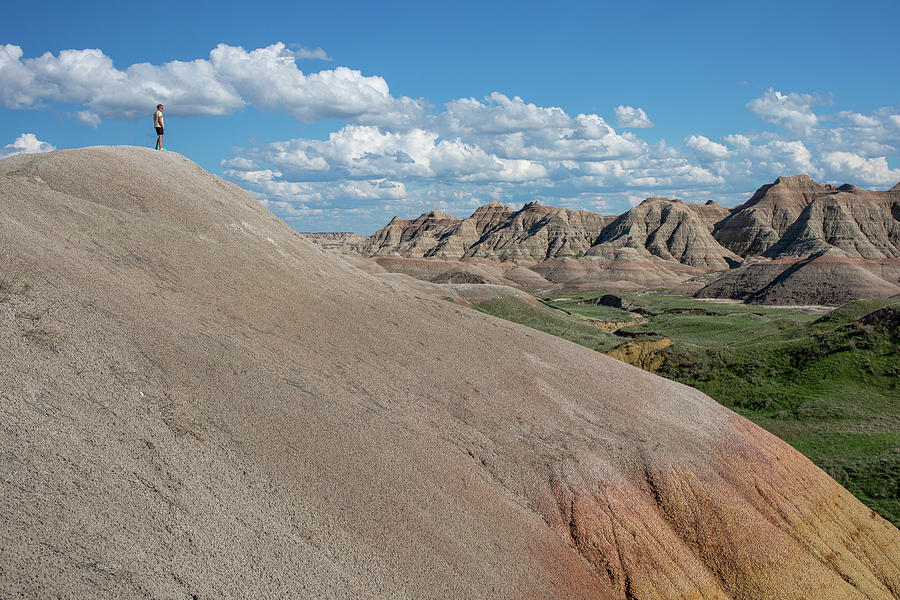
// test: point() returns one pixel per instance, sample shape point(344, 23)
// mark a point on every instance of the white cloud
point(737, 141)
point(792, 111)
point(402, 152)
point(860, 120)
point(258, 176)
point(793, 155)
point(88, 118)
point(232, 77)
point(324, 194)
point(269, 79)
point(873, 171)
point(511, 128)
point(705, 149)
point(500, 114)
point(311, 54)
point(628, 116)
point(27, 143)
point(365, 151)
point(239, 163)
point(18, 86)
point(504, 148)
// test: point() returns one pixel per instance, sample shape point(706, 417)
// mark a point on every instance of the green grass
point(592, 311)
point(828, 385)
point(551, 321)
point(829, 388)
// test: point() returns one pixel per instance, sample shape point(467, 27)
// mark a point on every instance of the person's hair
point(159, 106)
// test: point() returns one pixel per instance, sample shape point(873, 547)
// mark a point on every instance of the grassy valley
point(828, 383)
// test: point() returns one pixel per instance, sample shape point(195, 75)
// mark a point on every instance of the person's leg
point(159, 141)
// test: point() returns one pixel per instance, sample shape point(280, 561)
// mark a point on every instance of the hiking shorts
point(160, 130)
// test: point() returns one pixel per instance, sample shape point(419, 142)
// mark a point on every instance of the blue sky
point(339, 116)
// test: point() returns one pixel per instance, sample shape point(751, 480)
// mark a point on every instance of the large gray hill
point(198, 403)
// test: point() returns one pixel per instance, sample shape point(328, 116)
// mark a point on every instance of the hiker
point(159, 125)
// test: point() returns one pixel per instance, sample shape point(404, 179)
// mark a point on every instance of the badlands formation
point(795, 241)
point(199, 403)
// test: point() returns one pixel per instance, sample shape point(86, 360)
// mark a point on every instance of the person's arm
point(161, 124)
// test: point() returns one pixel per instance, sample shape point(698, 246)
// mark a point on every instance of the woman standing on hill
point(159, 125)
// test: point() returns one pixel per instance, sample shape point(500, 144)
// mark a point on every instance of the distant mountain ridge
point(792, 217)
point(790, 221)
point(535, 232)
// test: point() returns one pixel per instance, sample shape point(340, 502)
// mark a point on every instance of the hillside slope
point(200, 403)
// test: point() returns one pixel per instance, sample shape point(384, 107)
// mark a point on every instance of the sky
point(338, 116)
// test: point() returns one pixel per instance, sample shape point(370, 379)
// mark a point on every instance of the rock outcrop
point(199, 402)
point(626, 271)
point(710, 213)
point(460, 237)
point(493, 272)
point(828, 244)
point(539, 232)
point(759, 223)
point(533, 233)
point(796, 216)
point(858, 223)
point(343, 241)
point(659, 228)
point(402, 237)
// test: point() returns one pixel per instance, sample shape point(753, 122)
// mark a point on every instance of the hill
point(668, 230)
point(820, 279)
point(199, 402)
point(798, 217)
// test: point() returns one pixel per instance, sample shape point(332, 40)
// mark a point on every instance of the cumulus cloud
point(737, 141)
point(302, 53)
point(705, 149)
point(365, 151)
point(794, 155)
point(229, 79)
point(860, 120)
point(511, 128)
point(496, 148)
point(18, 86)
point(857, 168)
point(630, 117)
point(27, 143)
point(504, 148)
point(500, 114)
point(792, 111)
point(88, 118)
point(239, 163)
point(393, 152)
